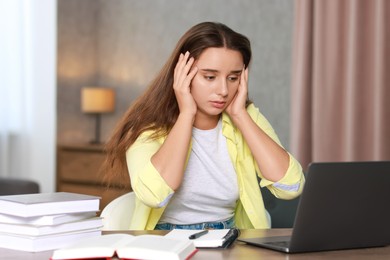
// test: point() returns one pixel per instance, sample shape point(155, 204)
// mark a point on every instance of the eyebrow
point(216, 71)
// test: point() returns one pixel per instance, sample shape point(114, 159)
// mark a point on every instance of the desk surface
point(238, 250)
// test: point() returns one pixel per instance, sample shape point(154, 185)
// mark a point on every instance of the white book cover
point(46, 220)
point(32, 230)
point(40, 204)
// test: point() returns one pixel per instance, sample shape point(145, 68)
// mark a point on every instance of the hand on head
point(237, 105)
point(183, 75)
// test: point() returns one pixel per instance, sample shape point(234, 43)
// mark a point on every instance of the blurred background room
point(71, 68)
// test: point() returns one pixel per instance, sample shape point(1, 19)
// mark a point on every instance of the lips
point(218, 104)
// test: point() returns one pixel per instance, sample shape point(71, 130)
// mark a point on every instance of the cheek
point(233, 88)
point(199, 87)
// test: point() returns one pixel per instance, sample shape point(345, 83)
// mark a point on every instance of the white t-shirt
point(209, 191)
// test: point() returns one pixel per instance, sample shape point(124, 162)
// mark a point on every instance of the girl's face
point(215, 84)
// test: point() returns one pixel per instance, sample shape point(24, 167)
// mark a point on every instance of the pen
point(199, 234)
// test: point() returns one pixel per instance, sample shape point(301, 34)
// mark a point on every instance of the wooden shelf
point(78, 170)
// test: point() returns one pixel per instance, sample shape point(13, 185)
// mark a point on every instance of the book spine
point(192, 254)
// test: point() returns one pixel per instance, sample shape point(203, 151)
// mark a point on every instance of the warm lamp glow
point(97, 100)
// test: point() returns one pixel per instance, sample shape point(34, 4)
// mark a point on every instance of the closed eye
point(233, 78)
point(209, 77)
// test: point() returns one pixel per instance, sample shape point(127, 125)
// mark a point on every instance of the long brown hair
point(157, 108)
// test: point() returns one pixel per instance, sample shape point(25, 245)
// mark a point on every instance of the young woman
point(194, 144)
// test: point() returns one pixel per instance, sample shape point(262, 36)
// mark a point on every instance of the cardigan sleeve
point(146, 181)
point(291, 185)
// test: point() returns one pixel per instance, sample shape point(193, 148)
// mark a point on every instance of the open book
point(125, 246)
point(214, 238)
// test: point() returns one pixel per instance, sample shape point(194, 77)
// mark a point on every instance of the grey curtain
point(341, 81)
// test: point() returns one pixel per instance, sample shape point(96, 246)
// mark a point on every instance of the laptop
point(344, 205)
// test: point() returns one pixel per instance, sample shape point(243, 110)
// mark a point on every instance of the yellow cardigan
point(152, 192)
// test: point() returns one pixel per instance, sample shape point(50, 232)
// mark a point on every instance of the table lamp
point(96, 101)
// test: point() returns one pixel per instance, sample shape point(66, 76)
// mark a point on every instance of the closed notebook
point(214, 238)
point(40, 204)
point(44, 243)
point(47, 219)
point(125, 246)
point(35, 230)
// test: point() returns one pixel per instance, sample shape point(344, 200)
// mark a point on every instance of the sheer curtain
point(28, 90)
point(341, 82)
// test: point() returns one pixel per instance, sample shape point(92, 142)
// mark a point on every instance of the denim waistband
point(227, 224)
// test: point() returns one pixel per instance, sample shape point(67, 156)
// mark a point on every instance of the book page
point(102, 246)
point(214, 238)
point(156, 247)
point(127, 246)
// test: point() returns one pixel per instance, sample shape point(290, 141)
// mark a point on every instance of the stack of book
point(47, 221)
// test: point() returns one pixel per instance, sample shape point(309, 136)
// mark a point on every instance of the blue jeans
point(227, 224)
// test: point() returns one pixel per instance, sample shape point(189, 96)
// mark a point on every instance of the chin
point(216, 112)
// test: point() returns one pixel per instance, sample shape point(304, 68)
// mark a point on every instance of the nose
point(223, 88)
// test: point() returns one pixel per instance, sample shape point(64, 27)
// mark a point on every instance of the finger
point(193, 72)
point(178, 65)
point(246, 74)
point(181, 62)
point(183, 59)
point(190, 76)
point(178, 71)
point(183, 74)
point(183, 69)
point(244, 78)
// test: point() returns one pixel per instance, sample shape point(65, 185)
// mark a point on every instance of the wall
point(123, 43)
point(76, 67)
